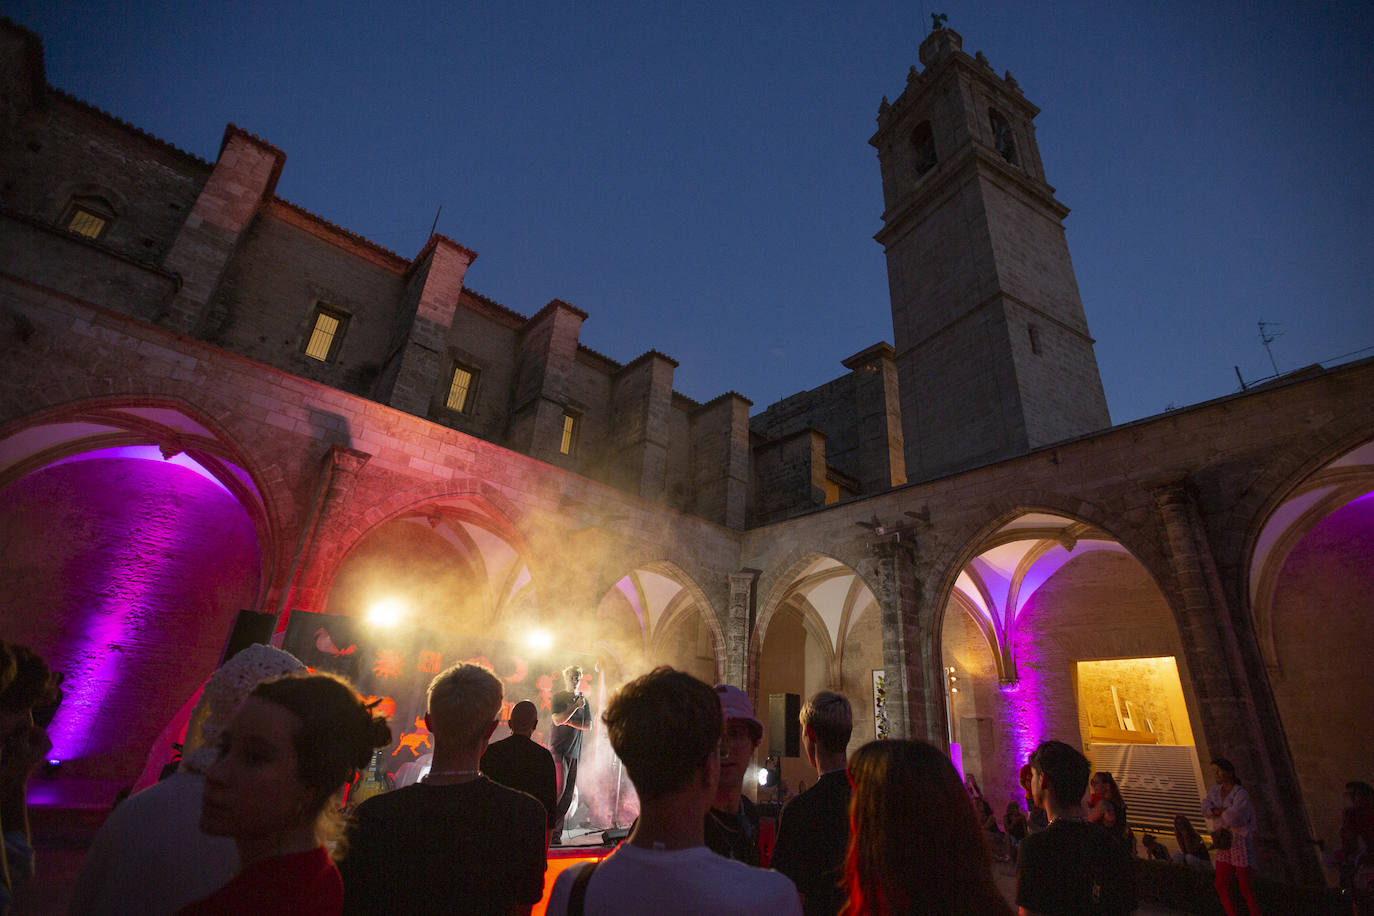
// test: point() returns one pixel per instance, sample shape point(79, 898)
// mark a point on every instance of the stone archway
point(1048, 612)
point(1311, 578)
point(819, 630)
point(451, 563)
point(134, 531)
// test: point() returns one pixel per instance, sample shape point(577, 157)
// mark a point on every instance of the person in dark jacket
point(814, 828)
point(517, 762)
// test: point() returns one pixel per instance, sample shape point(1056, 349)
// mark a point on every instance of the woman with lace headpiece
point(157, 831)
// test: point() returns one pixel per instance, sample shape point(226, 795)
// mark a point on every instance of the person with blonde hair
point(571, 717)
point(455, 841)
point(275, 790)
point(813, 831)
point(914, 845)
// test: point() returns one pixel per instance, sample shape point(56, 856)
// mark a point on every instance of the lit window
point(460, 389)
point(325, 334)
point(569, 443)
point(84, 222)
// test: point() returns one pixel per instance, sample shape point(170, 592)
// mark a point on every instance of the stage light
point(541, 640)
point(385, 613)
point(770, 774)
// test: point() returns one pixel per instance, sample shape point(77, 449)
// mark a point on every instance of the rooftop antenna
point(435, 225)
point(1267, 337)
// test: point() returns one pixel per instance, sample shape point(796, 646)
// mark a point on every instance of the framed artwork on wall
point(880, 730)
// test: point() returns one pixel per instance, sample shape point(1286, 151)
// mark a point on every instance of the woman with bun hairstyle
point(914, 844)
point(294, 743)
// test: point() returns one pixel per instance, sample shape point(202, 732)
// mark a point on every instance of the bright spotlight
point(540, 640)
point(763, 777)
point(385, 613)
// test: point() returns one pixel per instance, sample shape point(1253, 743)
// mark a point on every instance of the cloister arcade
point(141, 527)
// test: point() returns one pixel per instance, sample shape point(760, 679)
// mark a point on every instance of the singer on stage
point(571, 717)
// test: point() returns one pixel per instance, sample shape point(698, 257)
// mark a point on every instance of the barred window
point(460, 388)
point(84, 222)
point(325, 332)
point(570, 429)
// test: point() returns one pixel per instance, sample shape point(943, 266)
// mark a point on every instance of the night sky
point(697, 177)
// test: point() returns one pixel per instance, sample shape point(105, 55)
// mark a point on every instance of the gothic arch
point(1283, 471)
point(774, 585)
point(691, 598)
point(783, 591)
point(115, 545)
point(1326, 480)
point(949, 562)
point(41, 439)
point(450, 512)
point(360, 525)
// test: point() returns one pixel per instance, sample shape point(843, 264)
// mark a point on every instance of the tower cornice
point(978, 69)
point(949, 176)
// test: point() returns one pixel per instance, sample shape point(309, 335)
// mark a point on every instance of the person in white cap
point(732, 823)
point(150, 856)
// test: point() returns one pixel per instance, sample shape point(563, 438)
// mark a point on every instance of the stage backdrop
point(396, 664)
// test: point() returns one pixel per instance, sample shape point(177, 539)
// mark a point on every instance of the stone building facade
point(212, 400)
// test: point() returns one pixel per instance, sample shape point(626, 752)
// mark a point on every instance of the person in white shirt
point(666, 729)
point(1227, 806)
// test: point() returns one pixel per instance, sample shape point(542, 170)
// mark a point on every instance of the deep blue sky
point(697, 177)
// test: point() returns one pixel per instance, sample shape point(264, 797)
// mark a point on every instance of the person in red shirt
point(292, 745)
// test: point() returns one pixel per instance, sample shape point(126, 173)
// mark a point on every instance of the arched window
point(1002, 137)
point(923, 145)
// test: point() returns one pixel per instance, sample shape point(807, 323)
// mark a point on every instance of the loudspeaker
point(784, 728)
point(249, 627)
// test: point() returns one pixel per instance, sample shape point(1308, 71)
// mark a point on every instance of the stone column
point(739, 627)
point(915, 694)
point(317, 547)
point(1228, 689)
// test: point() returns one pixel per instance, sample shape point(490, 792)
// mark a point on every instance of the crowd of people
point(251, 821)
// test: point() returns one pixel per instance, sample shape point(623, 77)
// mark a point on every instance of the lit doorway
point(1134, 725)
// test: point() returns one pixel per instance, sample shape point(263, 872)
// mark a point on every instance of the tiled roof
point(350, 236)
point(125, 125)
point(494, 306)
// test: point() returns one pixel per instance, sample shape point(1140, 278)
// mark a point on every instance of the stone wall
point(64, 149)
point(265, 305)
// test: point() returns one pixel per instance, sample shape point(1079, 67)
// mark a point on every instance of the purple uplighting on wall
point(1024, 714)
point(134, 605)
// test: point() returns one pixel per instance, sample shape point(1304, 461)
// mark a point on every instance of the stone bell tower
point(993, 353)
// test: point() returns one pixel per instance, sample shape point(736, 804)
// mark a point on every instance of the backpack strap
point(579, 889)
